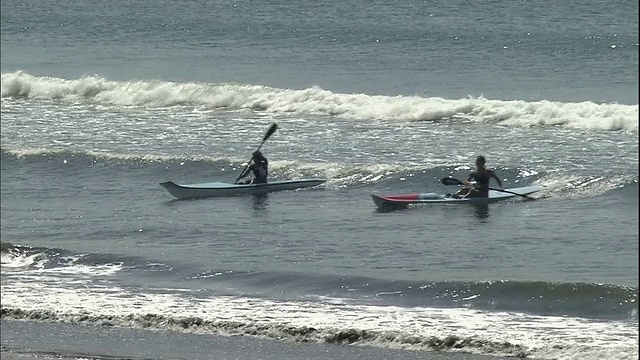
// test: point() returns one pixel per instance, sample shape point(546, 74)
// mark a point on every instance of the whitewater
point(323, 319)
point(269, 101)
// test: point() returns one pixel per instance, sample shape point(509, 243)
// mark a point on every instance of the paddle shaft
point(511, 192)
point(452, 181)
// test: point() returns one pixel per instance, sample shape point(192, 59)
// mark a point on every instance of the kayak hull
point(220, 189)
point(404, 200)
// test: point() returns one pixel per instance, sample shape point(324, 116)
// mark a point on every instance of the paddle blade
point(270, 132)
point(451, 181)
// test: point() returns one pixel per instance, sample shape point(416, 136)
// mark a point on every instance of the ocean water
point(102, 101)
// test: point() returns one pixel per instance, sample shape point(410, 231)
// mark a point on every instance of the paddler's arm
point(493, 175)
point(467, 181)
point(248, 169)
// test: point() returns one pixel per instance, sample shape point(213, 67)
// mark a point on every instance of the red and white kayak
point(433, 198)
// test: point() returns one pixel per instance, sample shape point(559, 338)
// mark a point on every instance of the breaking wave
point(325, 319)
point(491, 343)
point(319, 102)
point(589, 300)
point(278, 331)
point(386, 177)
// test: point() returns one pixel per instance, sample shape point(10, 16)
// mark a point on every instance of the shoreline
point(27, 340)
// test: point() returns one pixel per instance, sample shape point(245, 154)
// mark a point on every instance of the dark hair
point(481, 158)
point(257, 155)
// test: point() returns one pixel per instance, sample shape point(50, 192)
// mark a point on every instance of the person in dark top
point(259, 166)
point(478, 181)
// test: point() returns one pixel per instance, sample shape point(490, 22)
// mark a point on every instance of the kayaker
point(480, 177)
point(260, 168)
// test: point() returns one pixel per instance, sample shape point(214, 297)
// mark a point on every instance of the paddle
point(270, 132)
point(452, 181)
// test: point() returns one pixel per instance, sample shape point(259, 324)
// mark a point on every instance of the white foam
point(17, 261)
point(33, 269)
point(317, 101)
point(573, 186)
point(339, 174)
point(82, 270)
point(146, 157)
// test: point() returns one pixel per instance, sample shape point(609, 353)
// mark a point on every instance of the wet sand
point(26, 340)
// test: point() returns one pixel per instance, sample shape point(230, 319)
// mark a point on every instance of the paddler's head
point(480, 161)
point(257, 156)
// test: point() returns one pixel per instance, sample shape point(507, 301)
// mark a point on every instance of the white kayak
point(433, 198)
point(215, 189)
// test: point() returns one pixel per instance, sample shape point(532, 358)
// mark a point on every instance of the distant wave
point(47, 153)
point(318, 102)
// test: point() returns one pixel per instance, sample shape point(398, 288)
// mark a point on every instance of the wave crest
point(316, 101)
point(408, 176)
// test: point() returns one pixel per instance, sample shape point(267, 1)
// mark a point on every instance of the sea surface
point(103, 100)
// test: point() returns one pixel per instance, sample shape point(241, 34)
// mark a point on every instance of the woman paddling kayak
point(259, 166)
point(480, 185)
